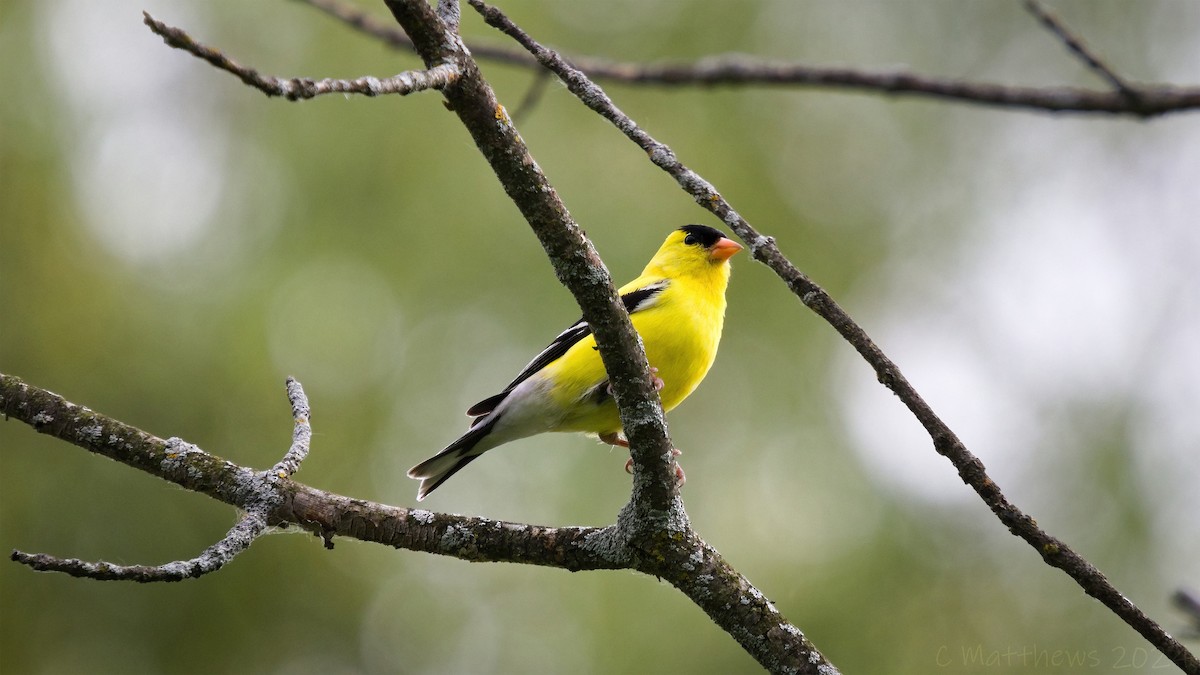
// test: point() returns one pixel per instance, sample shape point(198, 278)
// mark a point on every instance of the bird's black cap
point(705, 235)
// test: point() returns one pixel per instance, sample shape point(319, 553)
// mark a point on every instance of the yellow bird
point(677, 305)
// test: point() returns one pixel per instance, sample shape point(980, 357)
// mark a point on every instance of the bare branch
point(301, 432)
point(213, 558)
point(743, 70)
point(463, 537)
point(180, 463)
point(300, 88)
point(251, 525)
point(1077, 47)
point(282, 501)
point(970, 469)
point(533, 96)
point(740, 70)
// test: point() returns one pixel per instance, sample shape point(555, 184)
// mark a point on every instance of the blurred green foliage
point(173, 244)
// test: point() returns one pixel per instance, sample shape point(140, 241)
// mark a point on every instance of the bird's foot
point(614, 438)
point(680, 476)
point(655, 379)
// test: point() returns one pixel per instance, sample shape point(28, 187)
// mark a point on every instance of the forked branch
point(258, 509)
point(272, 499)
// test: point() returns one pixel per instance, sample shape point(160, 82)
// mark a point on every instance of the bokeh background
point(173, 244)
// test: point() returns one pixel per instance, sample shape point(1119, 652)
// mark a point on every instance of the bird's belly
point(682, 357)
point(580, 391)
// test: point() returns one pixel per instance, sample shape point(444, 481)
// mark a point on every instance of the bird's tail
point(435, 470)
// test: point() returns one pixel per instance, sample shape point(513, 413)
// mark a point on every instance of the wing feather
point(634, 301)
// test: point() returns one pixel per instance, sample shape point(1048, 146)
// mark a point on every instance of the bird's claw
point(680, 476)
point(614, 439)
point(654, 380)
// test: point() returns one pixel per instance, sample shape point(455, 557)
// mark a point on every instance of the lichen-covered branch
point(213, 558)
point(300, 88)
point(261, 499)
point(463, 537)
point(273, 501)
point(175, 461)
point(301, 432)
point(970, 469)
point(740, 609)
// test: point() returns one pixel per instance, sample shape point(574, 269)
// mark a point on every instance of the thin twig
point(213, 558)
point(741, 70)
point(300, 88)
point(301, 432)
point(744, 70)
point(970, 469)
point(532, 96)
point(1077, 47)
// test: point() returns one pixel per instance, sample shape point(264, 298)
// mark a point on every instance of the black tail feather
point(437, 469)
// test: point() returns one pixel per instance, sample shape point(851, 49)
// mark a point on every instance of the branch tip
point(250, 527)
point(301, 432)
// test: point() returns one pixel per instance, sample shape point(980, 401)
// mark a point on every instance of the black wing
point(634, 301)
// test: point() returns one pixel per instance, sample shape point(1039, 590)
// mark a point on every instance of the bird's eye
point(691, 240)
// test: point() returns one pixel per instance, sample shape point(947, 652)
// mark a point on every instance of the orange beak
point(724, 249)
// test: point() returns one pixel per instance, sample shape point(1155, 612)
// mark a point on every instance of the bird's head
point(693, 249)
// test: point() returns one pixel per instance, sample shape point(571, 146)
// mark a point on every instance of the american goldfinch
point(677, 306)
